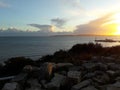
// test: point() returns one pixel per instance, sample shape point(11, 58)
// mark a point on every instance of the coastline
point(84, 66)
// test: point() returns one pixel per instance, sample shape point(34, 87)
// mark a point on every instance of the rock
point(76, 68)
point(63, 73)
point(74, 76)
point(57, 81)
point(102, 87)
point(34, 85)
point(20, 78)
point(11, 86)
point(89, 88)
point(111, 73)
point(43, 83)
point(107, 58)
point(101, 66)
point(115, 86)
point(113, 66)
point(88, 76)
point(89, 66)
point(117, 73)
point(81, 85)
point(117, 79)
point(62, 66)
point(27, 68)
point(44, 72)
point(101, 78)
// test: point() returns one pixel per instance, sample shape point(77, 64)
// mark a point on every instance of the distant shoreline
point(55, 35)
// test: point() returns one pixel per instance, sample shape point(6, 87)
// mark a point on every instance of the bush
point(86, 48)
point(15, 65)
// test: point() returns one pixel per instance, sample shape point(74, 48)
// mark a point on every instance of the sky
point(51, 17)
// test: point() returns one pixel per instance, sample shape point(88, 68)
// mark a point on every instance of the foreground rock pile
point(90, 75)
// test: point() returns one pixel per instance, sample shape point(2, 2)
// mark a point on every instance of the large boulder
point(101, 78)
point(34, 84)
point(76, 68)
point(113, 66)
point(20, 77)
point(62, 66)
point(11, 86)
point(89, 88)
point(74, 76)
point(28, 68)
point(89, 66)
point(44, 72)
point(111, 73)
point(115, 86)
point(57, 81)
point(101, 66)
point(81, 85)
point(88, 76)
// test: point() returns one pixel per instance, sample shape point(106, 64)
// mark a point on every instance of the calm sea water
point(35, 47)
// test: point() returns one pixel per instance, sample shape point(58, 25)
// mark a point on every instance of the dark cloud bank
point(16, 32)
point(59, 22)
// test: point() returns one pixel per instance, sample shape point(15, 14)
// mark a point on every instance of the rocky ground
point(83, 67)
point(92, 74)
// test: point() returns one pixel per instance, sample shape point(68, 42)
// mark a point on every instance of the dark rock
point(11, 86)
point(89, 88)
point(102, 67)
point(74, 76)
point(88, 76)
point(89, 66)
point(44, 72)
point(113, 66)
point(111, 73)
point(28, 68)
point(81, 85)
point(57, 81)
point(62, 66)
point(115, 86)
point(76, 68)
point(34, 84)
point(20, 78)
point(101, 78)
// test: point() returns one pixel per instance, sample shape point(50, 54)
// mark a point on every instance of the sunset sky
point(60, 16)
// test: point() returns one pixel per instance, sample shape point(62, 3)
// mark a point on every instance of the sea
point(37, 46)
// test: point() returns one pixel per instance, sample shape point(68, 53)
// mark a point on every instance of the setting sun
point(116, 20)
point(117, 30)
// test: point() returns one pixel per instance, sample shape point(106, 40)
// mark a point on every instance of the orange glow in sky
point(113, 25)
point(117, 21)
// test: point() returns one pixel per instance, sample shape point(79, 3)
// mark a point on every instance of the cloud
point(58, 22)
point(4, 5)
point(44, 28)
point(98, 26)
point(73, 8)
point(17, 32)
